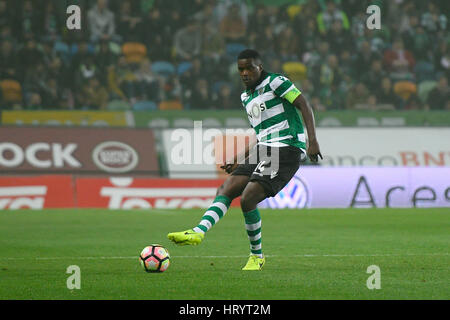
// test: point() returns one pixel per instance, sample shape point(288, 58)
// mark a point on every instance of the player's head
point(250, 67)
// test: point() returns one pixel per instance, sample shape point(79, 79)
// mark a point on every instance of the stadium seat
point(115, 48)
point(11, 90)
point(145, 106)
point(183, 67)
point(118, 105)
point(62, 50)
point(163, 68)
point(404, 89)
point(293, 10)
point(170, 105)
point(233, 49)
point(424, 89)
point(134, 52)
point(424, 71)
point(74, 48)
point(296, 71)
point(218, 85)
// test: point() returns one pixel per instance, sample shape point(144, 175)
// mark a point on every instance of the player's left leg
point(251, 196)
point(273, 172)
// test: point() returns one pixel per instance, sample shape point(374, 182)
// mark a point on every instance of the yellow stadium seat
point(405, 89)
point(134, 52)
point(295, 70)
point(293, 10)
point(11, 90)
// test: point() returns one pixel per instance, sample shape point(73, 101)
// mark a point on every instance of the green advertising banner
point(238, 119)
point(218, 118)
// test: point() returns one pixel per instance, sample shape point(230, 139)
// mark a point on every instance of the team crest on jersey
point(256, 113)
point(261, 91)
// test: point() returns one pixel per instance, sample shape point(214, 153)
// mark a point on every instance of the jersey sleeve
point(284, 88)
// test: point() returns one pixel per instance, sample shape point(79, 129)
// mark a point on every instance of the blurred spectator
point(357, 97)
point(339, 38)
point(225, 100)
point(206, 15)
point(5, 14)
point(441, 58)
point(86, 70)
point(188, 41)
point(128, 24)
point(398, 61)
point(8, 60)
point(288, 45)
point(385, 94)
point(93, 95)
point(101, 22)
point(147, 82)
point(372, 78)
point(432, 20)
point(104, 58)
point(154, 34)
point(28, 21)
point(52, 23)
point(364, 58)
point(213, 43)
point(29, 56)
point(326, 18)
point(233, 26)
point(34, 102)
point(439, 97)
point(201, 97)
point(330, 73)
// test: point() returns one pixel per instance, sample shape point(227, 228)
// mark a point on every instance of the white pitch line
point(237, 256)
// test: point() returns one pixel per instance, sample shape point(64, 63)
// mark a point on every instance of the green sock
point(214, 213)
point(253, 227)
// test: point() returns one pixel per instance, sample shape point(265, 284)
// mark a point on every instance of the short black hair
point(249, 54)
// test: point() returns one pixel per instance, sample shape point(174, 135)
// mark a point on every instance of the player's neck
point(261, 78)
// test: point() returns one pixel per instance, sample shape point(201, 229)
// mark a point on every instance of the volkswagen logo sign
point(294, 195)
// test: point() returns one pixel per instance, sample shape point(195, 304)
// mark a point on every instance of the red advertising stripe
point(36, 192)
point(129, 193)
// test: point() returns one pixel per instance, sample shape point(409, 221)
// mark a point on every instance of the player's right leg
point(231, 188)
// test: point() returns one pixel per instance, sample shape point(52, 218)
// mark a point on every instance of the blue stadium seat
point(145, 106)
point(183, 67)
point(163, 68)
point(424, 71)
point(62, 50)
point(218, 85)
point(233, 49)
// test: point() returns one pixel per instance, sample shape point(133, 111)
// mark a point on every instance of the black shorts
point(272, 167)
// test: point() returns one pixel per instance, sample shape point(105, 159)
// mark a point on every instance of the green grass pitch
point(311, 254)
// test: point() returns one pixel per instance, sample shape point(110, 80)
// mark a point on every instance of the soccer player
point(270, 101)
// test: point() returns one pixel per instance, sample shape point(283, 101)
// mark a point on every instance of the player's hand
point(314, 151)
point(229, 167)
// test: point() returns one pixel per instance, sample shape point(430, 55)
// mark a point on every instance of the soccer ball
point(155, 258)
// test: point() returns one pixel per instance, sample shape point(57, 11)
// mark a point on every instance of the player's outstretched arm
point(308, 118)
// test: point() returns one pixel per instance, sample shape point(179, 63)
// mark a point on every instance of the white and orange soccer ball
point(155, 258)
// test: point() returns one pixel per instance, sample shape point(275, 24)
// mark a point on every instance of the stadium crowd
point(152, 54)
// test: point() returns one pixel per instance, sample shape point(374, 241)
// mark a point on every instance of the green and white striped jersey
point(272, 114)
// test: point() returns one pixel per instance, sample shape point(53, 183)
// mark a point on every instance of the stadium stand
point(149, 53)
